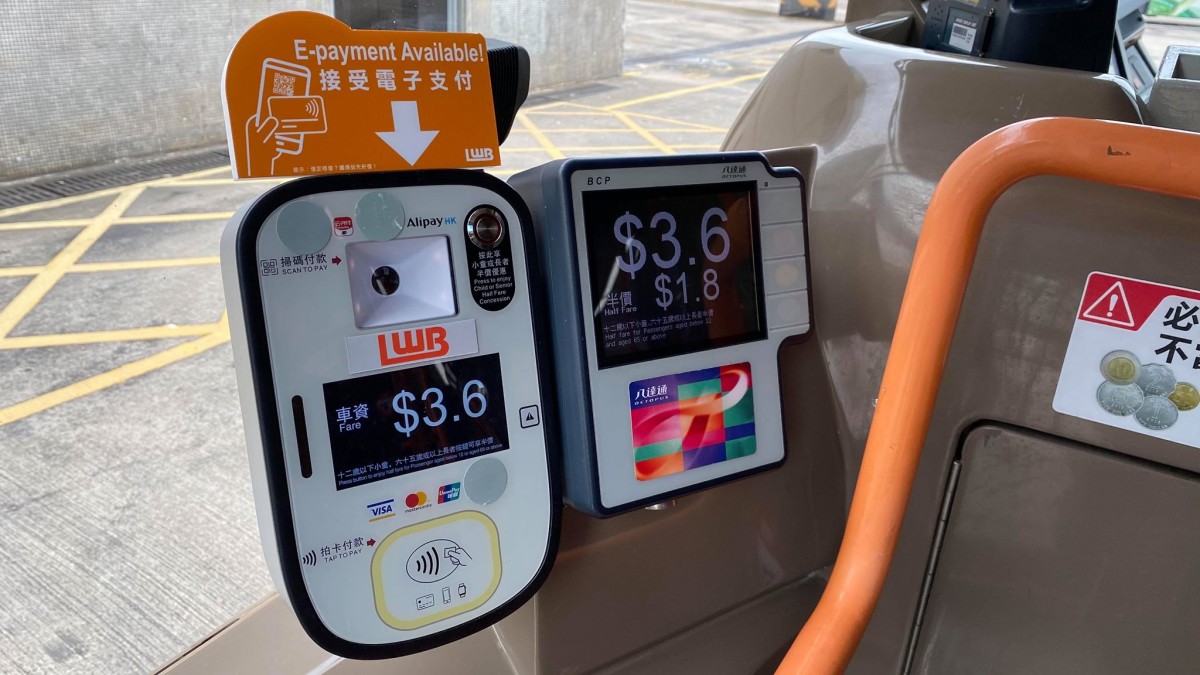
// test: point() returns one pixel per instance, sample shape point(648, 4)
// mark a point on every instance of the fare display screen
point(395, 423)
point(674, 270)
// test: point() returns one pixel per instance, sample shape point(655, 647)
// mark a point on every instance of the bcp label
point(408, 346)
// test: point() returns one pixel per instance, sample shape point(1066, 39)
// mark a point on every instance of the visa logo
point(381, 510)
point(448, 493)
point(412, 345)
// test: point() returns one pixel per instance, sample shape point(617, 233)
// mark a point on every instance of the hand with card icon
point(261, 150)
point(456, 555)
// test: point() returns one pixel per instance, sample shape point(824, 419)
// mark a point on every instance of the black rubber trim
point(246, 260)
point(568, 167)
point(301, 425)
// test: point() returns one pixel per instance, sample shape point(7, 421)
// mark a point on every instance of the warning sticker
point(1133, 361)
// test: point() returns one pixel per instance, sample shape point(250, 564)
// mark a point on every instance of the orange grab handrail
point(1126, 155)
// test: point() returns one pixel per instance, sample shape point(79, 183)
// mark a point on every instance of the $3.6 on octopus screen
point(673, 270)
point(408, 420)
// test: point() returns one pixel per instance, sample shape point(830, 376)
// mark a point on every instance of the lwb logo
point(480, 155)
point(412, 345)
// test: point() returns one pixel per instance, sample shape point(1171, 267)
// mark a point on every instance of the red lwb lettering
point(412, 345)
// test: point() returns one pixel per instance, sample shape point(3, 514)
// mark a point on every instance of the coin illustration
point(1120, 399)
point(1156, 380)
point(1185, 397)
point(1157, 413)
point(1120, 367)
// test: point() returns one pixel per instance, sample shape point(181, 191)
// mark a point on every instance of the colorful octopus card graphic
point(689, 420)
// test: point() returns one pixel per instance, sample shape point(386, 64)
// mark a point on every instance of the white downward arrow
point(408, 140)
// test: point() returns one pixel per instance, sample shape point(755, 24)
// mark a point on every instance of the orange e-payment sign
point(305, 94)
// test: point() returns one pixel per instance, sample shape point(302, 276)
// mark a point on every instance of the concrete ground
point(128, 524)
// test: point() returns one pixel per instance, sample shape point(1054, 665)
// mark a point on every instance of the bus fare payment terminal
point(673, 282)
point(387, 354)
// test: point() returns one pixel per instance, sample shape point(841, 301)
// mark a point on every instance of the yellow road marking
point(152, 264)
point(7, 272)
point(54, 270)
point(668, 120)
point(115, 266)
point(74, 199)
point(126, 220)
point(116, 376)
point(61, 201)
point(599, 131)
point(604, 148)
point(40, 224)
point(646, 135)
point(205, 182)
point(541, 138)
point(203, 173)
point(545, 106)
point(568, 104)
point(120, 335)
point(175, 218)
point(685, 91)
point(566, 113)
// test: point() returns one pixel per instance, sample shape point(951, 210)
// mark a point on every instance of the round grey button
point(485, 481)
point(379, 216)
point(485, 227)
point(303, 227)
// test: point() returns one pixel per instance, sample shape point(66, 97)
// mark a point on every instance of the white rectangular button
point(787, 309)
point(783, 241)
point(781, 205)
point(784, 275)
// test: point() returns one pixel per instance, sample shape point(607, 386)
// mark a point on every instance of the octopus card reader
point(673, 282)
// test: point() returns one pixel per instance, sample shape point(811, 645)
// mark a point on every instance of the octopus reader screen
point(673, 270)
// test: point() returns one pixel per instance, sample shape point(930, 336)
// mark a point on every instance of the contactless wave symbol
point(310, 558)
point(429, 562)
point(435, 560)
point(312, 108)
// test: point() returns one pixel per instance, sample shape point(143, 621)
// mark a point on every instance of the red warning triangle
point(1111, 307)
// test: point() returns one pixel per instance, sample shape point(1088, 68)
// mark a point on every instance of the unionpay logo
point(413, 345)
point(448, 493)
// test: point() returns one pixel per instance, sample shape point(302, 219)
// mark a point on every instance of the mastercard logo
point(415, 499)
